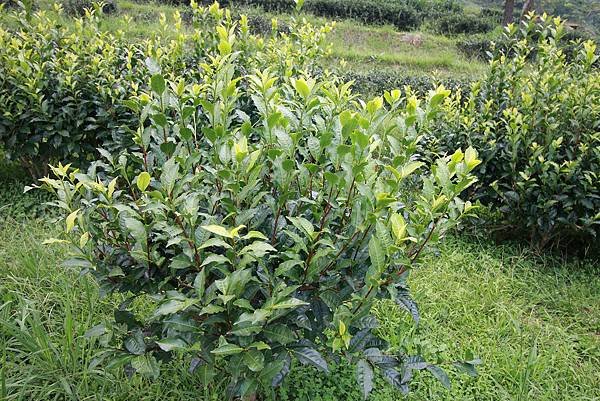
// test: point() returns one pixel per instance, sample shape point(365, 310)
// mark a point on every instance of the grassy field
point(534, 322)
point(368, 48)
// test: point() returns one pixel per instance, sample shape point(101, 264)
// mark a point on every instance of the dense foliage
point(453, 24)
point(80, 7)
point(377, 81)
point(447, 15)
point(262, 232)
point(483, 47)
point(585, 13)
point(63, 87)
point(537, 126)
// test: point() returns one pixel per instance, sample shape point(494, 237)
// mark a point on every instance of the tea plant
point(537, 126)
point(453, 24)
point(63, 87)
point(262, 237)
point(81, 7)
point(404, 14)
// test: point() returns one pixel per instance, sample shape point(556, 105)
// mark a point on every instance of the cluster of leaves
point(483, 48)
point(9, 3)
point(63, 88)
point(378, 81)
point(262, 237)
point(585, 13)
point(453, 24)
point(404, 14)
point(493, 14)
point(536, 122)
point(303, 385)
point(81, 7)
point(60, 89)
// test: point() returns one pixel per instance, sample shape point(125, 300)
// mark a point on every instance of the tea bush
point(63, 87)
point(493, 14)
point(537, 126)
point(453, 24)
point(483, 47)
point(266, 236)
point(367, 11)
point(404, 14)
point(80, 7)
point(378, 81)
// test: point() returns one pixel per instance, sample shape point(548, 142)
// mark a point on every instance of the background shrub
point(396, 13)
point(377, 81)
point(536, 121)
point(463, 23)
point(483, 47)
point(404, 14)
point(79, 7)
point(493, 14)
point(63, 89)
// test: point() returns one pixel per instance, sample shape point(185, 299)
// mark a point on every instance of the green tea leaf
point(227, 349)
point(309, 356)
point(218, 230)
point(254, 360)
point(157, 82)
point(169, 344)
point(143, 181)
point(364, 377)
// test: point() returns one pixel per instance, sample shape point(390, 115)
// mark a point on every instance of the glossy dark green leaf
point(310, 356)
point(364, 377)
point(439, 374)
point(157, 83)
point(134, 343)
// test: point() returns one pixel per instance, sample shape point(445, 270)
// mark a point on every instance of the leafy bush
point(367, 11)
point(404, 14)
point(453, 24)
point(480, 47)
point(52, 111)
point(493, 14)
point(262, 237)
point(483, 48)
point(81, 7)
point(537, 126)
point(377, 81)
point(60, 90)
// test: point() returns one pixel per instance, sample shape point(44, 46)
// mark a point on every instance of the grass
point(368, 48)
point(534, 321)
